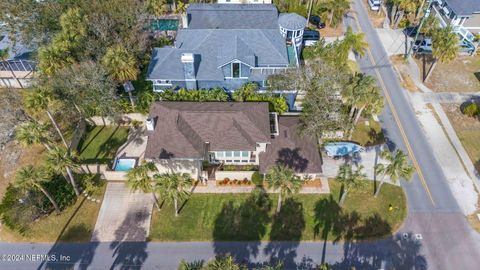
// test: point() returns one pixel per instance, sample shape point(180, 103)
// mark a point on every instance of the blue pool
point(124, 164)
point(340, 149)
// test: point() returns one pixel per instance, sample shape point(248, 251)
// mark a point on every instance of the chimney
point(188, 60)
point(150, 124)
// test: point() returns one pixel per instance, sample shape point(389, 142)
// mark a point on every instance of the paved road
point(448, 241)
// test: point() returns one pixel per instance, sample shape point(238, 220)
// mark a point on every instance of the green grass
point(221, 217)
point(101, 143)
point(74, 224)
point(368, 135)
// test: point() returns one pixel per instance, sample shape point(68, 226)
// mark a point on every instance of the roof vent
point(150, 124)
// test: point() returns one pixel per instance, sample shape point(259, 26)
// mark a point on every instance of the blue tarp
point(340, 149)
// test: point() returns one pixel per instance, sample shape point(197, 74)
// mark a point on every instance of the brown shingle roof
point(182, 128)
point(297, 152)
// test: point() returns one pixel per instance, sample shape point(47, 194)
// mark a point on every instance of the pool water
point(124, 164)
point(164, 25)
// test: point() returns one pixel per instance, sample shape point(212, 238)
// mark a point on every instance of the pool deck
point(135, 145)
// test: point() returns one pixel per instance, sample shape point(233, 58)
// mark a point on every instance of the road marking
point(397, 119)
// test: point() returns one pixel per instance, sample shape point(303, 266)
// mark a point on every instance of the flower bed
point(234, 182)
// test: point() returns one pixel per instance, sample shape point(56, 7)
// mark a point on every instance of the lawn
point(368, 135)
point(239, 217)
point(460, 75)
point(100, 143)
point(74, 224)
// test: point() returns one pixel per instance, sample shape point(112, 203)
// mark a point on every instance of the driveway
point(124, 216)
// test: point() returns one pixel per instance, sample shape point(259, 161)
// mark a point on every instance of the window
point(245, 154)
point(219, 154)
point(236, 70)
point(236, 154)
point(228, 154)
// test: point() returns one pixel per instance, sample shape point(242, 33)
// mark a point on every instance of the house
point(463, 16)
point(188, 137)
point(227, 46)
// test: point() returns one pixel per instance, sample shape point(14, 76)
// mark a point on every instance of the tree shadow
point(327, 213)
point(130, 248)
point(293, 159)
point(286, 233)
point(245, 222)
point(82, 141)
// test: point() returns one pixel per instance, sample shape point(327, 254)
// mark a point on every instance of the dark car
point(315, 20)
point(310, 37)
point(411, 31)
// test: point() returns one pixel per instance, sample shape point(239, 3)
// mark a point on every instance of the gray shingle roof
point(182, 128)
point(214, 47)
point(297, 152)
point(227, 16)
point(292, 21)
point(464, 7)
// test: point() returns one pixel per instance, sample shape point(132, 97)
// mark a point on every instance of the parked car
point(464, 47)
point(411, 31)
point(374, 4)
point(423, 45)
point(315, 20)
point(310, 37)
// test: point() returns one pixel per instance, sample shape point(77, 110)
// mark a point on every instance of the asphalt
point(437, 234)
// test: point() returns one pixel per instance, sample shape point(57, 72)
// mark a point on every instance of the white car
point(374, 5)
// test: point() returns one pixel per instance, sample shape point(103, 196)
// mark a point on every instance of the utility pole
point(309, 7)
point(426, 13)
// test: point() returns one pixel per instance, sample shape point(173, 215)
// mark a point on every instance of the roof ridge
point(273, 45)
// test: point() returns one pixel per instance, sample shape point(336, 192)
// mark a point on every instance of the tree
point(60, 160)
point(173, 187)
point(349, 179)
point(400, 8)
point(139, 178)
point(4, 60)
point(41, 100)
point(397, 167)
point(362, 95)
point(354, 42)
point(284, 180)
point(33, 133)
point(157, 8)
point(224, 262)
point(444, 47)
point(30, 178)
point(121, 65)
point(195, 265)
point(332, 11)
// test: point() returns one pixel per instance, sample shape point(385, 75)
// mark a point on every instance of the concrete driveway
point(124, 216)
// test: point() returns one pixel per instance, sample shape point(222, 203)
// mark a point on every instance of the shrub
point(471, 109)
point(257, 179)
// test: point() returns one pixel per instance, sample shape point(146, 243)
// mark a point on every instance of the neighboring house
point(21, 69)
point(244, 1)
point(186, 136)
point(463, 16)
point(227, 46)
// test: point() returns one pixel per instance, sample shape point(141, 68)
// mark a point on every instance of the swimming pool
point(124, 164)
point(164, 25)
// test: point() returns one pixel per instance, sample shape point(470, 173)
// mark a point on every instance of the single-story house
point(186, 136)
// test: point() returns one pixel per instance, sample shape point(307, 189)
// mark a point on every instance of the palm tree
point(225, 262)
point(283, 179)
point(33, 133)
point(29, 178)
point(4, 60)
point(41, 100)
point(121, 65)
point(60, 161)
point(139, 178)
point(332, 11)
point(349, 179)
point(173, 187)
point(354, 42)
point(397, 167)
point(195, 265)
point(400, 8)
point(444, 47)
point(362, 95)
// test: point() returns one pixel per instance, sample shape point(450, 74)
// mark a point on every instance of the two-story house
point(184, 136)
point(226, 46)
point(463, 16)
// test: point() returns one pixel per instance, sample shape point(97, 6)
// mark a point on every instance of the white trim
point(236, 61)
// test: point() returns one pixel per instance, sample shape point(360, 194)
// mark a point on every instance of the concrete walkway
point(124, 216)
point(135, 145)
point(450, 97)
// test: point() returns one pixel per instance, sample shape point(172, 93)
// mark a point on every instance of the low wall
point(128, 117)
point(238, 175)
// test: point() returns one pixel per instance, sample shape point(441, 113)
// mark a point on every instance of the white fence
point(233, 175)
